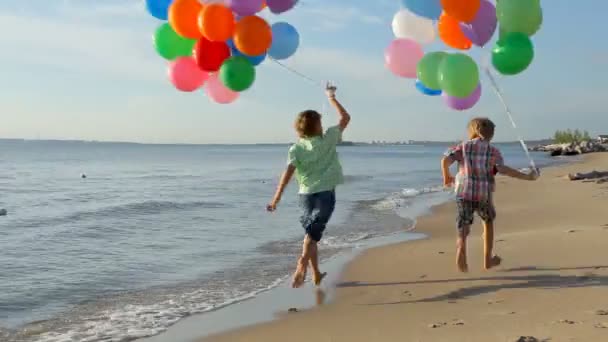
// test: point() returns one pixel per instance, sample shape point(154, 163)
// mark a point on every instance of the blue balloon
point(424, 8)
point(285, 41)
point(427, 91)
point(159, 8)
point(254, 60)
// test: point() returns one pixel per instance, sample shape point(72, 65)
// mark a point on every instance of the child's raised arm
point(342, 113)
point(285, 178)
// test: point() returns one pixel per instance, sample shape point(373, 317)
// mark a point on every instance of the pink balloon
point(463, 103)
point(185, 74)
point(402, 57)
point(218, 92)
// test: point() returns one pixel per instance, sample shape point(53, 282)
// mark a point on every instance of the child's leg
point(461, 249)
point(490, 260)
point(465, 220)
point(488, 214)
point(300, 275)
point(325, 204)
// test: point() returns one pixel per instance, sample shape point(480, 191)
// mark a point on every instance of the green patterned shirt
point(316, 161)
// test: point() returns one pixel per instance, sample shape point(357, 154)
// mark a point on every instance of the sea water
point(156, 233)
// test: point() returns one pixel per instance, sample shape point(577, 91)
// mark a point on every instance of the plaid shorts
point(467, 210)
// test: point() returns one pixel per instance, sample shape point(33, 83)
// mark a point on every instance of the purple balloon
point(463, 103)
point(245, 7)
point(482, 28)
point(280, 6)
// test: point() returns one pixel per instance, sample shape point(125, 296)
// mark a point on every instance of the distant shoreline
point(345, 143)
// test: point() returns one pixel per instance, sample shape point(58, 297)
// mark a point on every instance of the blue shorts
point(318, 209)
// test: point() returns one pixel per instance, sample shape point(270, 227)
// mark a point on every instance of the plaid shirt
point(477, 161)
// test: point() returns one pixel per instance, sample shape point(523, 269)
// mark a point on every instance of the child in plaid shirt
point(478, 162)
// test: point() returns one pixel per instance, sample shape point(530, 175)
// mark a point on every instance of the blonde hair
point(308, 123)
point(481, 128)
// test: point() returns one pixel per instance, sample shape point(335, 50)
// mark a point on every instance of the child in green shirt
point(314, 160)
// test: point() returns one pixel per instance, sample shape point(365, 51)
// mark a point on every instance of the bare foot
point(492, 262)
point(461, 262)
point(298, 279)
point(318, 278)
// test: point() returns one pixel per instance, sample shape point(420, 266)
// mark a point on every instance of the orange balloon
point(451, 33)
point(216, 22)
point(252, 36)
point(461, 10)
point(183, 17)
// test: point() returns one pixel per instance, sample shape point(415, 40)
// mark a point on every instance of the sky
point(87, 69)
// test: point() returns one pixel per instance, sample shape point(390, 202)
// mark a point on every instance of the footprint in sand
point(601, 312)
point(601, 325)
point(437, 325)
point(457, 322)
point(527, 339)
point(566, 321)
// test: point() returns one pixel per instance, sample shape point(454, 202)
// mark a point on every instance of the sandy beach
point(552, 285)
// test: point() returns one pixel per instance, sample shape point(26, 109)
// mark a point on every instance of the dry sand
point(553, 284)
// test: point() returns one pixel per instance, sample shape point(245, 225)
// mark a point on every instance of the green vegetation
point(570, 136)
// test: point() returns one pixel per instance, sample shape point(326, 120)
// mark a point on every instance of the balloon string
point(509, 115)
point(295, 72)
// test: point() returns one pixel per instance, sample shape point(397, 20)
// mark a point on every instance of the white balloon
point(408, 25)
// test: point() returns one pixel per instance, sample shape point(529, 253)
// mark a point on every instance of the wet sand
point(552, 235)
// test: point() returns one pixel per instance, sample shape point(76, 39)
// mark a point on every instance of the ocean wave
point(127, 211)
point(404, 198)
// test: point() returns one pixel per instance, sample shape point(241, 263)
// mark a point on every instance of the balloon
point(285, 41)
point(427, 91)
point(183, 15)
point(218, 92)
point(186, 75)
point(428, 69)
point(408, 25)
point(252, 36)
point(430, 9)
point(458, 75)
point(170, 45)
point(254, 60)
point(159, 9)
point(210, 55)
point(482, 28)
point(464, 103)
point(451, 33)
point(280, 6)
point(216, 22)
point(237, 74)
point(245, 7)
point(525, 16)
point(461, 10)
point(513, 53)
point(402, 56)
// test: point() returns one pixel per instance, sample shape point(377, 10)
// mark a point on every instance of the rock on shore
point(571, 149)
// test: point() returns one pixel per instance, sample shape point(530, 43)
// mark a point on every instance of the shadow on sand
point(538, 281)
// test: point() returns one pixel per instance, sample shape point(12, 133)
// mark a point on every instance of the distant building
point(603, 139)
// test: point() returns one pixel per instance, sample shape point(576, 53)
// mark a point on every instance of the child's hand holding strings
point(330, 91)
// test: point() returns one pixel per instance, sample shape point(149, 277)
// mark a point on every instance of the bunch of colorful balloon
point(461, 24)
point(218, 43)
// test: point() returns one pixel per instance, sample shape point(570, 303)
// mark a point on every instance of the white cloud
point(71, 42)
point(338, 17)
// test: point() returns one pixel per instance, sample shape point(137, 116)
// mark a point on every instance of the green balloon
point(525, 16)
point(170, 45)
point(237, 73)
point(427, 69)
point(513, 53)
point(458, 75)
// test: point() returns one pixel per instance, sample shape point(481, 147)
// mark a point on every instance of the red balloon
point(210, 55)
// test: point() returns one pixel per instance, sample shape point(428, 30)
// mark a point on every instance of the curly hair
point(307, 123)
point(481, 128)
